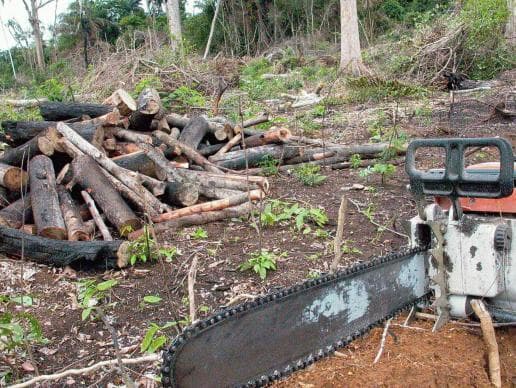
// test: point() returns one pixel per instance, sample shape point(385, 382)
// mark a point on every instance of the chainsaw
point(460, 248)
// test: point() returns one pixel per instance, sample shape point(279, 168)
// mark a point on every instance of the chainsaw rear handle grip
point(454, 180)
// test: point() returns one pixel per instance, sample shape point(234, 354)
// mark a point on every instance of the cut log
point(364, 150)
point(181, 194)
point(19, 132)
point(27, 103)
point(4, 197)
point(214, 148)
point(137, 161)
point(178, 121)
point(210, 206)
point(189, 152)
point(123, 101)
point(59, 111)
point(133, 136)
point(90, 177)
point(193, 133)
point(212, 192)
point(129, 178)
point(75, 228)
point(17, 213)
point(236, 160)
point(229, 145)
point(123, 148)
point(45, 203)
point(148, 106)
point(130, 195)
point(41, 144)
point(103, 229)
point(87, 254)
point(274, 135)
point(13, 178)
point(198, 219)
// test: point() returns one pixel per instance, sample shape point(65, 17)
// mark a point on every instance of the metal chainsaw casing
point(479, 258)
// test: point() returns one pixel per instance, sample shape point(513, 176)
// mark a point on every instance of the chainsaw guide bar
point(257, 342)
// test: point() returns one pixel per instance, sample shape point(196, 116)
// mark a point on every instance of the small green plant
point(185, 97)
point(19, 330)
point(276, 212)
point(54, 90)
point(269, 165)
point(385, 170)
point(143, 248)
point(308, 125)
point(319, 110)
point(152, 299)
point(355, 160)
point(91, 295)
point(321, 233)
point(169, 253)
point(147, 82)
point(199, 234)
point(369, 212)
point(308, 174)
point(313, 274)
point(154, 338)
point(260, 263)
point(348, 249)
point(363, 89)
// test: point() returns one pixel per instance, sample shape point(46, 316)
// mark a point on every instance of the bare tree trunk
point(174, 24)
point(510, 28)
point(212, 30)
point(350, 58)
point(36, 31)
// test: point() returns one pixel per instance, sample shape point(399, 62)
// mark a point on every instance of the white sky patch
point(14, 9)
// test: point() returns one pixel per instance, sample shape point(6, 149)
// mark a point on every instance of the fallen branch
point(83, 371)
point(106, 235)
point(338, 236)
point(382, 343)
point(192, 273)
point(486, 323)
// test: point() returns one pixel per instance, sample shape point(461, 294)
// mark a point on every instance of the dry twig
point(192, 273)
point(338, 236)
point(382, 343)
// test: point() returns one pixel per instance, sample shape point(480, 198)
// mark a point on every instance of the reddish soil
point(453, 357)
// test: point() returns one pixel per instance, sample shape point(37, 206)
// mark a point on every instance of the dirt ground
point(453, 357)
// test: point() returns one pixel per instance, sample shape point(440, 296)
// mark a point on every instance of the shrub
point(147, 82)
point(186, 97)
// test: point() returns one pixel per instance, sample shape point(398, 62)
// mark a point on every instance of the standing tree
point(350, 58)
point(174, 23)
point(33, 7)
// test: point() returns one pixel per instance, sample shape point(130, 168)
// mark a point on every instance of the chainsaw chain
point(189, 333)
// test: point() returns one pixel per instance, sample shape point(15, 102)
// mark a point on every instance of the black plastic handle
point(454, 180)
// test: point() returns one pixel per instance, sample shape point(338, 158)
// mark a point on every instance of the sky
point(14, 9)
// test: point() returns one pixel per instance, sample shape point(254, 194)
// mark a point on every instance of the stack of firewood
point(101, 169)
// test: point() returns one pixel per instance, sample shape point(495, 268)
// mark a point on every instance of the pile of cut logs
point(101, 169)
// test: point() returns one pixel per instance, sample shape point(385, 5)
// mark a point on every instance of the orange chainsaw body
point(483, 205)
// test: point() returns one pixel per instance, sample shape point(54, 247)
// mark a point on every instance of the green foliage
point(484, 21)
point(355, 160)
point(154, 338)
point(54, 90)
point(269, 165)
point(152, 299)
point(313, 274)
point(19, 331)
point(308, 125)
point(148, 82)
point(348, 249)
point(385, 170)
point(91, 295)
point(308, 174)
point(364, 89)
point(276, 212)
point(185, 97)
point(319, 110)
point(143, 248)
point(7, 112)
point(199, 234)
point(260, 263)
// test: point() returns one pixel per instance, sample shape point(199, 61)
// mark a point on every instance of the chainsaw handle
point(454, 180)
